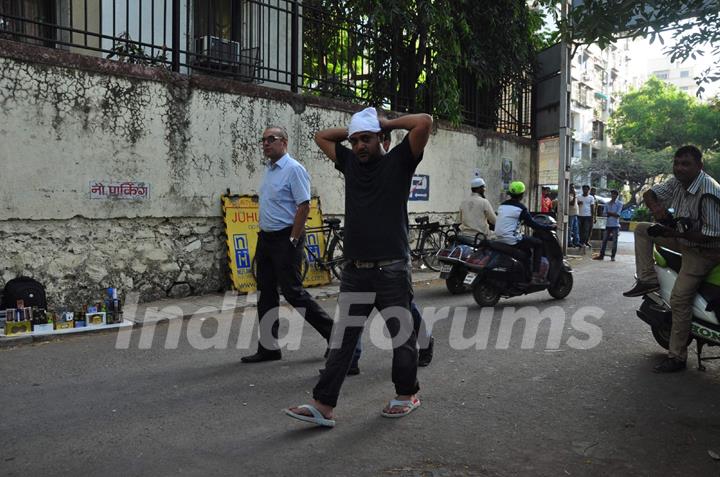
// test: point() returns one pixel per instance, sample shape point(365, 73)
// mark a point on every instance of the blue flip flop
point(316, 418)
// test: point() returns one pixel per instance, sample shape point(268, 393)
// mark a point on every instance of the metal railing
point(303, 46)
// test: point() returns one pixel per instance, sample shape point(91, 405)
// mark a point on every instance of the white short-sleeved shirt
point(585, 209)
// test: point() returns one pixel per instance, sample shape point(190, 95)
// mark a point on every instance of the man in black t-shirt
point(377, 186)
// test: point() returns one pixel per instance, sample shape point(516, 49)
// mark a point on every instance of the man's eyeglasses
point(269, 139)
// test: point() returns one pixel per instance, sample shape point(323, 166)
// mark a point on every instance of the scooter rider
point(700, 245)
point(476, 212)
point(507, 227)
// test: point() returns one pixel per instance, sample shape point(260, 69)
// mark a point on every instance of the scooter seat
point(467, 239)
point(673, 259)
point(511, 250)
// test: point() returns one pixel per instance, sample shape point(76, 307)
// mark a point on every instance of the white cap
point(365, 120)
point(477, 182)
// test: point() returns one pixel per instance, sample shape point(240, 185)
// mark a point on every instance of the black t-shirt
point(376, 195)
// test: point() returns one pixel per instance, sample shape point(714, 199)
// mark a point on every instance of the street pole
point(565, 136)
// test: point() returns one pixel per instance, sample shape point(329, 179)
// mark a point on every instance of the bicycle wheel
point(430, 245)
point(336, 256)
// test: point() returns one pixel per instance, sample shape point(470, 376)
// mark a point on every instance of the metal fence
point(304, 46)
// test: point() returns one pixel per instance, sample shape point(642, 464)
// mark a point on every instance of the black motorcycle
point(498, 270)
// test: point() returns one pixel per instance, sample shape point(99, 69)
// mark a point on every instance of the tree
point(631, 165)
point(693, 24)
point(659, 115)
point(418, 55)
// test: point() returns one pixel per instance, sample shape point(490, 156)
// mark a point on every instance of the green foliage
point(128, 51)
point(412, 55)
point(694, 26)
point(642, 214)
point(711, 164)
point(659, 115)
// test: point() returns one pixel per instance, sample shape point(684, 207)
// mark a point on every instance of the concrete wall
point(67, 120)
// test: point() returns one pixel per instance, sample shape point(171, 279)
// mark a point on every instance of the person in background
point(545, 201)
point(511, 214)
point(586, 215)
point(573, 229)
point(476, 212)
point(284, 207)
point(612, 226)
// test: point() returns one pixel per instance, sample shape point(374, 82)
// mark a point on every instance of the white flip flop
point(410, 405)
point(316, 418)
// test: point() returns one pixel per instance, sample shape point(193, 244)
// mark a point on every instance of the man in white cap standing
point(476, 212)
point(377, 274)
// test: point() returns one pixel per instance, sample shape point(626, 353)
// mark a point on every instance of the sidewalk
point(214, 303)
point(200, 306)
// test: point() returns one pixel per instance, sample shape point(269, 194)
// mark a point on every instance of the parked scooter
point(500, 270)
point(655, 309)
point(452, 259)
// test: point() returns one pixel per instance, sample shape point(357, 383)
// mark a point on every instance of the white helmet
point(477, 182)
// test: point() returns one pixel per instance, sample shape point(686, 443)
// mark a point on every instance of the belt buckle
point(361, 264)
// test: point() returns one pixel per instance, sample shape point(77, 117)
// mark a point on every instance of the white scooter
point(655, 309)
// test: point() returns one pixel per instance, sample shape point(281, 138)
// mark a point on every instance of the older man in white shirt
point(476, 212)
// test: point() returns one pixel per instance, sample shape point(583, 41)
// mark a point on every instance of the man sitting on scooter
point(507, 227)
point(476, 212)
point(699, 245)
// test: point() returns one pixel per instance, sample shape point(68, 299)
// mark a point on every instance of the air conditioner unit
point(218, 50)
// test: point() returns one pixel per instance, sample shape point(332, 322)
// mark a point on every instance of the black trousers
point(535, 246)
point(278, 263)
point(390, 290)
point(586, 226)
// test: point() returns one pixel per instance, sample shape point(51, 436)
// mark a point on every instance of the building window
point(683, 88)
point(662, 75)
point(685, 74)
point(598, 130)
point(227, 36)
point(29, 27)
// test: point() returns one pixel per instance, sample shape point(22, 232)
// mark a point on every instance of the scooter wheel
point(455, 282)
point(485, 294)
point(562, 286)
point(661, 335)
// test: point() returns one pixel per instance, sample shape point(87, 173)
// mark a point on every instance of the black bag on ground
point(27, 289)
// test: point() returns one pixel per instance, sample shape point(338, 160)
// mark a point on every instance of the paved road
point(79, 406)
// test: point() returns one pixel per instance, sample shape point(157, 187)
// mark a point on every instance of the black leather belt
point(377, 263)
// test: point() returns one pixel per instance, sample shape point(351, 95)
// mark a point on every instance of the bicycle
point(431, 238)
point(330, 258)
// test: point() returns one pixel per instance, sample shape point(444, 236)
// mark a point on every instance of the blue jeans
point(573, 231)
point(391, 286)
point(611, 233)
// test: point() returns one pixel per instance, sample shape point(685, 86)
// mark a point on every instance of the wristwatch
point(294, 241)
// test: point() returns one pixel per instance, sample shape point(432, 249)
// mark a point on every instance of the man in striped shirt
point(694, 195)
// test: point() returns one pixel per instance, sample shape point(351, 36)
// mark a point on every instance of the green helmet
point(516, 188)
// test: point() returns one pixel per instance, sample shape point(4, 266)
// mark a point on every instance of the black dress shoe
point(262, 356)
point(642, 288)
point(670, 365)
point(425, 356)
